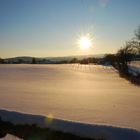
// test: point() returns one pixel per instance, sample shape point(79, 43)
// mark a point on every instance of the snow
point(81, 93)
point(135, 63)
point(134, 68)
point(77, 128)
point(10, 137)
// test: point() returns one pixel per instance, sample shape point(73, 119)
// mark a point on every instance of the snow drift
point(76, 128)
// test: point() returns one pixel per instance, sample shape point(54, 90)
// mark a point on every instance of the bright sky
point(52, 27)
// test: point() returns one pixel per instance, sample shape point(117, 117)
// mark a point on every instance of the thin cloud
point(103, 3)
point(100, 3)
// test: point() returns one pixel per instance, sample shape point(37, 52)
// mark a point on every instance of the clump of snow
point(76, 128)
point(10, 137)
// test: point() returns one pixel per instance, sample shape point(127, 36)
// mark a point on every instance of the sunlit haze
point(44, 28)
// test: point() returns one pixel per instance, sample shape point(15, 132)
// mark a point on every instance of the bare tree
point(128, 53)
point(137, 33)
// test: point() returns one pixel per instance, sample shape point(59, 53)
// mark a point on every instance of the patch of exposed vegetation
point(33, 132)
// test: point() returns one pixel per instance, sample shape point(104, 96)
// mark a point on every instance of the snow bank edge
point(76, 128)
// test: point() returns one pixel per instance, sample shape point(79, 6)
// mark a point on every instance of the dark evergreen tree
point(1, 61)
point(33, 61)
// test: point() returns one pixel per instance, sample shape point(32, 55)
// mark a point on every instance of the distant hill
point(25, 59)
point(28, 59)
point(48, 60)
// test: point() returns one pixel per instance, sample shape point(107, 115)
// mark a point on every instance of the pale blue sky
point(52, 27)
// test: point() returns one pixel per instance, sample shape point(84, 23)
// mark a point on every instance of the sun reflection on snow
point(49, 119)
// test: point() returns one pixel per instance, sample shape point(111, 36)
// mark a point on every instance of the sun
point(85, 43)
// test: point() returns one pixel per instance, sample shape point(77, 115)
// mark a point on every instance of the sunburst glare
point(85, 42)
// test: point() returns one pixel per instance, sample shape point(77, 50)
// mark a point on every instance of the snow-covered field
point(90, 94)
